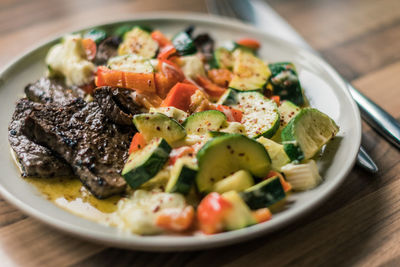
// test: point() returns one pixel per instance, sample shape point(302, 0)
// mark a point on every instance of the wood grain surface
point(358, 226)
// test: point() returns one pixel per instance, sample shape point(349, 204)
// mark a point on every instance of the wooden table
point(359, 225)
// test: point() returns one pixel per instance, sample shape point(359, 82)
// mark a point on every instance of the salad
point(219, 137)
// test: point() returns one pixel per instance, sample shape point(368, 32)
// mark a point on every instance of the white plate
point(322, 85)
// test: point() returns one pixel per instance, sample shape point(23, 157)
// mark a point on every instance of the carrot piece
point(277, 99)
point(179, 96)
point(211, 89)
point(286, 185)
point(90, 48)
point(250, 43)
point(232, 114)
point(220, 77)
point(131, 80)
point(171, 219)
point(138, 142)
point(262, 215)
point(160, 38)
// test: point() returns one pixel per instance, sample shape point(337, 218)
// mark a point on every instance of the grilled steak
point(35, 159)
point(117, 104)
point(47, 90)
point(82, 135)
point(107, 49)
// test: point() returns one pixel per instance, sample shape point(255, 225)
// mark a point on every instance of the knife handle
point(377, 118)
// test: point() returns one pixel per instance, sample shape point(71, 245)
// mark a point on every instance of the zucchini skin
point(185, 181)
point(138, 175)
point(285, 82)
point(184, 44)
point(264, 194)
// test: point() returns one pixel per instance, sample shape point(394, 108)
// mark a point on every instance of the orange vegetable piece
point(220, 77)
point(138, 142)
point(172, 220)
point(144, 82)
point(179, 96)
point(262, 215)
point(277, 99)
point(211, 88)
point(232, 114)
point(160, 38)
point(211, 212)
point(250, 43)
point(177, 153)
point(286, 185)
point(90, 48)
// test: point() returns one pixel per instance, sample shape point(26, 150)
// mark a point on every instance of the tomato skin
point(211, 212)
point(277, 99)
point(232, 114)
point(177, 153)
point(138, 142)
point(250, 43)
point(90, 48)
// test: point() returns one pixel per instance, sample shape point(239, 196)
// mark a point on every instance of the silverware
point(264, 17)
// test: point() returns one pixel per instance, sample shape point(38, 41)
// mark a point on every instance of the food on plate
point(177, 133)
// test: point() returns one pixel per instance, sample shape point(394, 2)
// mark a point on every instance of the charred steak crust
point(35, 160)
point(81, 134)
point(52, 90)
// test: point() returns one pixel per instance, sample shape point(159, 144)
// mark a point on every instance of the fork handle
point(377, 118)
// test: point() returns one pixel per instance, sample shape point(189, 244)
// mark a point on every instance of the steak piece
point(117, 104)
point(82, 135)
point(35, 160)
point(49, 90)
point(107, 49)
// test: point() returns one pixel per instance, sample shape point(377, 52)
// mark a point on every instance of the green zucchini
point(306, 133)
point(153, 125)
point(201, 122)
point(239, 216)
point(223, 155)
point(223, 58)
point(249, 72)
point(145, 163)
point(237, 181)
point(285, 82)
point(229, 98)
point(183, 175)
point(264, 194)
point(287, 111)
point(276, 152)
point(260, 114)
point(97, 35)
point(184, 44)
point(172, 112)
point(302, 176)
point(139, 42)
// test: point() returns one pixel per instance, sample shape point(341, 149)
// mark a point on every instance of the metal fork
point(243, 10)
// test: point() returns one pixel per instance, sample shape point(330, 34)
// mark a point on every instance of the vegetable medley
point(223, 136)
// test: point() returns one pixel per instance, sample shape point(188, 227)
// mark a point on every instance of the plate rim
point(173, 243)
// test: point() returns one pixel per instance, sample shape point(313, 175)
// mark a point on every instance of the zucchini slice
point(239, 216)
point(172, 112)
point(229, 98)
point(184, 44)
point(97, 35)
point(285, 82)
point(226, 154)
point(264, 194)
point(302, 176)
point(287, 111)
point(153, 125)
point(306, 133)
point(260, 114)
point(238, 181)
point(202, 122)
point(250, 72)
point(138, 41)
point(145, 163)
point(276, 152)
point(130, 63)
point(223, 58)
point(183, 175)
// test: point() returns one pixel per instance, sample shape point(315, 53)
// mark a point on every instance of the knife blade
point(260, 14)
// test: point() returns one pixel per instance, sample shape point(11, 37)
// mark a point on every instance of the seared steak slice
point(47, 90)
point(35, 159)
point(117, 104)
point(107, 49)
point(81, 134)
